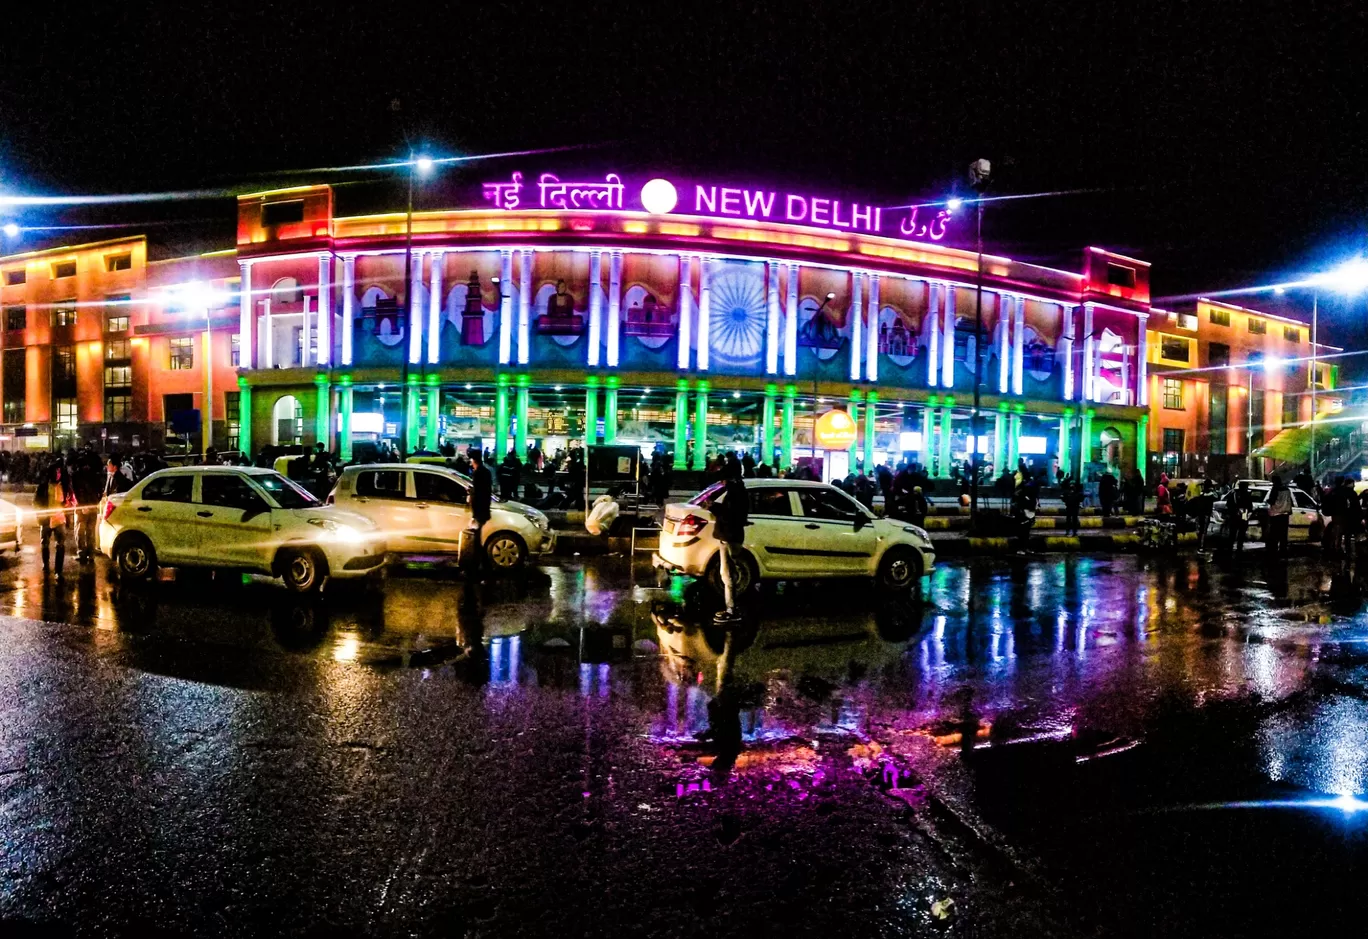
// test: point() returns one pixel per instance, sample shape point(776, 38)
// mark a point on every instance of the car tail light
point(108, 509)
point(331, 500)
point(690, 525)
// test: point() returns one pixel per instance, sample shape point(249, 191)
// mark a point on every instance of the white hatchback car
point(797, 530)
point(423, 509)
point(236, 517)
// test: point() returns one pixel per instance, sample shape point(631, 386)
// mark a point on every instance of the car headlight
point(338, 532)
point(918, 531)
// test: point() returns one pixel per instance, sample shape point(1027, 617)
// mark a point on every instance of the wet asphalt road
point(1059, 746)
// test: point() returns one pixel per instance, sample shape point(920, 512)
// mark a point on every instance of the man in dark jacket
point(510, 471)
point(731, 513)
point(481, 499)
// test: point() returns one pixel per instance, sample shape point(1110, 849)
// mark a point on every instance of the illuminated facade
point(693, 318)
point(1226, 381)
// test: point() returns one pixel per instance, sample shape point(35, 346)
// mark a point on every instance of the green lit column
point(520, 430)
point(1085, 442)
point(700, 457)
point(411, 415)
point(853, 409)
point(947, 423)
point(610, 410)
point(1000, 439)
point(501, 417)
point(681, 421)
point(1142, 445)
point(1014, 436)
point(345, 404)
point(786, 438)
point(871, 415)
point(591, 386)
point(927, 455)
point(1065, 430)
point(244, 416)
point(434, 406)
point(767, 425)
point(323, 411)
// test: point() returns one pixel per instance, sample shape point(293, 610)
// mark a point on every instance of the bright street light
point(954, 205)
point(424, 165)
point(1349, 278)
point(11, 230)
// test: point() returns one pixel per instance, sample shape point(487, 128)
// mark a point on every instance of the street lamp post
point(979, 174)
point(422, 165)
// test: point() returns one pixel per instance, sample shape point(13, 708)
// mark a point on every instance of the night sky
point(1228, 140)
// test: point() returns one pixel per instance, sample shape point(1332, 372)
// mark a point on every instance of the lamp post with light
point(199, 297)
point(422, 166)
point(1348, 279)
point(816, 366)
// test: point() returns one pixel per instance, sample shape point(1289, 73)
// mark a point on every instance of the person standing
point(83, 474)
point(510, 471)
point(1239, 506)
point(1163, 502)
point(1024, 504)
point(1106, 492)
point(481, 500)
point(917, 507)
point(1071, 492)
point(1279, 515)
point(50, 502)
point(1199, 508)
point(731, 513)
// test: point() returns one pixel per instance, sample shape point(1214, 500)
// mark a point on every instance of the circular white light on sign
point(658, 196)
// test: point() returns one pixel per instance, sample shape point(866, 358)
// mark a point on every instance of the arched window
point(287, 422)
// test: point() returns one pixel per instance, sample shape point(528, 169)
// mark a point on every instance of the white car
point(11, 518)
point(797, 530)
point(422, 509)
point(1305, 523)
point(236, 517)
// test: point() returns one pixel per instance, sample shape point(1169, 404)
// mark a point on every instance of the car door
point(1304, 515)
point(445, 503)
point(235, 527)
point(165, 511)
point(831, 542)
point(776, 524)
point(385, 496)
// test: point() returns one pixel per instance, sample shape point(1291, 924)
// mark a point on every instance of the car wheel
point(900, 568)
point(505, 550)
point(135, 558)
point(742, 578)
point(303, 570)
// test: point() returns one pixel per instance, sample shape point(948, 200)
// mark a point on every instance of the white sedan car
point(797, 530)
point(422, 509)
point(1305, 523)
point(236, 517)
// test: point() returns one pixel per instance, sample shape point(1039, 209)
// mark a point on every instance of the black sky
point(1229, 138)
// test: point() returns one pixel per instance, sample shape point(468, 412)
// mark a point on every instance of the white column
point(246, 332)
point(771, 318)
point(524, 306)
point(325, 264)
point(704, 312)
point(595, 306)
point(434, 327)
point(928, 431)
point(306, 337)
point(791, 323)
point(614, 306)
point(415, 315)
point(685, 309)
point(1142, 365)
point(948, 339)
point(1004, 311)
point(505, 307)
point(933, 334)
point(872, 339)
point(1066, 312)
point(1088, 340)
point(268, 331)
point(348, 301)
point(856, 302)
point(1018, 344)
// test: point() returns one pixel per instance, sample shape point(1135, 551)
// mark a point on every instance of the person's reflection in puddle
point(472, 666)
point(300, 625)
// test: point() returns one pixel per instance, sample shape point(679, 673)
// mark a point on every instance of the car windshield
point(288, 495)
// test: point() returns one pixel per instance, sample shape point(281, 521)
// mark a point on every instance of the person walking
point(481, 500)
point(50, 501)
point(1239, 507)
point(731, 513)
point(1071, 493)
point(1279, 515)
point(1199, 509)
point(1163, 501)
point(1024, 504)
point(84, 473)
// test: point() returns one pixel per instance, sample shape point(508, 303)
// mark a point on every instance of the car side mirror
point(861, 520)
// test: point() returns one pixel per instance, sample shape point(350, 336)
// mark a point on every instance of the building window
point(1216, 421)
point(1218, 354)
point(117, 324)
point(15, 278)
point(118, 407)
point(1292, 334)
point(232, 418)
point(289, 212)
point(1119, 275)
point(118, 376)
point(65, 410)
point(1173, 450)
point(1257, 416)
point(1174, 348)
point(1219, 317)
point(16, 317)
point(118, 262)
point(64, 269)
point(182, 353)
point(236, 350)
point(1323, 377)
point(64, 365)
point(65, 315)
point(1289, 409)
point(1173, 394)
point(1257, 326)
point(15, 385)
point(116, 349)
